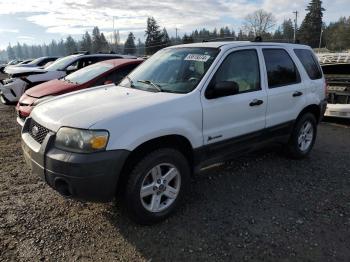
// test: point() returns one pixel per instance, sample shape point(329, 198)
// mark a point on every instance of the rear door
point(286, 91)
point(226, 118)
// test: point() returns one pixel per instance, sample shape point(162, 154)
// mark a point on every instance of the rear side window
point(281, 70)
point(309, 63)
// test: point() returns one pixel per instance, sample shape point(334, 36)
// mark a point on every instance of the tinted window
point(88, 73)
point(116, 75)
point(280, 68)
point(309, 63)
point(241, 67)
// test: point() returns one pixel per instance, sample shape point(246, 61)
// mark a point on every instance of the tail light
point(325, 88)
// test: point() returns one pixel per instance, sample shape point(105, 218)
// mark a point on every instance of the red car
point(106, 72)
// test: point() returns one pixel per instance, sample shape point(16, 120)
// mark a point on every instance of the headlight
point(81, 140)
point(40, 100)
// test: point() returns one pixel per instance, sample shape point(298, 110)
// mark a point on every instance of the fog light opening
point(62, 187)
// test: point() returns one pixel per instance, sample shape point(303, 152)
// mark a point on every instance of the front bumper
point(338, 110)
point(91, 177)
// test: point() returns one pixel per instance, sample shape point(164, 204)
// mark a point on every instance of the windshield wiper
point(131, 82)
point(149, 82)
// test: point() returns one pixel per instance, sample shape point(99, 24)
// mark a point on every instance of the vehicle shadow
point(237, 211)
point(337, 120)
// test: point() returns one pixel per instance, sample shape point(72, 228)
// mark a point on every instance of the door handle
point(256, 102)
point(297, 93)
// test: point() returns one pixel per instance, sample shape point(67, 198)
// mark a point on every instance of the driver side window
point(242, 68)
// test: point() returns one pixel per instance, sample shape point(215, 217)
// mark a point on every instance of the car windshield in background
point(61, 63)
point(88, 73)
point(175, 70)
point(35, 61)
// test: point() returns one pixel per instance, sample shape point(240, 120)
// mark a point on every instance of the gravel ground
point(259, 207)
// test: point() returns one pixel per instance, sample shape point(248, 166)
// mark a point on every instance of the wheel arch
point(313, 109)
point(178, 142)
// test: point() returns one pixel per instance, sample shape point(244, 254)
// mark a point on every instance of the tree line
point(313, 31)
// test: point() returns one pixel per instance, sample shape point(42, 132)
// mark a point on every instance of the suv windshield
point(175, 70)
point(86, 74)
point(61, 63)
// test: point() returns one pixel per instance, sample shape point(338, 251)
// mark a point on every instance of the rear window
point(309, 63)
point(281, 70)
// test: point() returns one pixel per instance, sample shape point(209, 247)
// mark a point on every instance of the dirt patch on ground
point(260, 207)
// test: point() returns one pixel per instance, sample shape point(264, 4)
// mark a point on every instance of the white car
point(185, 108)
point(38, 62)
point(23, 78)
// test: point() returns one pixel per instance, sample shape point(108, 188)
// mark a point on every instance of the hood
point(53, 87)
point(23, 70)
point(82, 109)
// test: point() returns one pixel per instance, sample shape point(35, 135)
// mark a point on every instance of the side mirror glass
point(223, 88)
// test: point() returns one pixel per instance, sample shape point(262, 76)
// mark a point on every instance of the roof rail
point(81, 52)
point(219, 39)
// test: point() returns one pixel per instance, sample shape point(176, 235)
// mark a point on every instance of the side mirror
point(107, 82)
point(223, 88)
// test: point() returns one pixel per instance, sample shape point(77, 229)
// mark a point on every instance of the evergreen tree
point(18, 51)
point(96, 40)
point(129, 45)
point(187, 39)
point(153, 37)
point(70, 45)
point(140, 48)
point(165, 38)
point(115, 46)
point(278, 35)
point(287, 29)
point(104, 44)
point(10, 53)
point(86, 42)
point(310, 29)
point(337, 35)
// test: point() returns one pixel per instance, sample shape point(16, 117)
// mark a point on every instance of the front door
point(228, 118)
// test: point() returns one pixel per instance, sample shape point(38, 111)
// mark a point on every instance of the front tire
point(303, 137)
point(157, 186)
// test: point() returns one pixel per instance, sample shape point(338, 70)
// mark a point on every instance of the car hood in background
point(52, 87)
point(24, 70)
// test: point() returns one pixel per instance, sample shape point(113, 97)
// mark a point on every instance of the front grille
point(37, 131)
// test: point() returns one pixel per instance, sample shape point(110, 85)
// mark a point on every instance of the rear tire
point(157, 186)
point(303, 137)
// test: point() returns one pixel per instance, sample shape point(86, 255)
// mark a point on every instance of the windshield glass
point(88, 73)
point(175, 70)
point(61, 63)
point(35, 61)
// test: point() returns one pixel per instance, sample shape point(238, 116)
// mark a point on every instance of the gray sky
point(40, 21)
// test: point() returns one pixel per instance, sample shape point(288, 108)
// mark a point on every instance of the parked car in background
point(185, 108)
point(336, 67)
point(12, 62)
point(106, 72)
point(38, 62)
point(22, 78)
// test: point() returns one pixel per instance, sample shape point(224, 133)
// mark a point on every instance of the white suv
point(185, 108)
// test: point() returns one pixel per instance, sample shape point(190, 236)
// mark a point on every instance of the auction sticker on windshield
point(197, 57)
